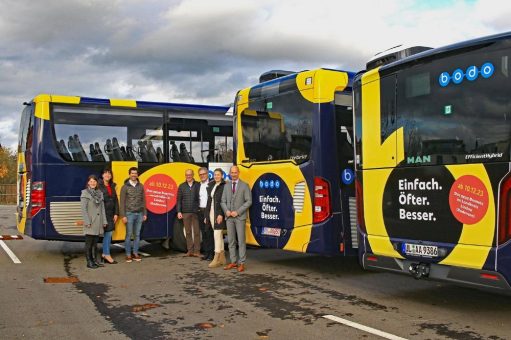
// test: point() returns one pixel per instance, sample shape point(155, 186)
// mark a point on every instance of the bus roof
point(350, 74)
point(440, 50)
point(52, 98)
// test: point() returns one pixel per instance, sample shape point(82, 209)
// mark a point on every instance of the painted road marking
point(140, 252)
point(9, 252)
point(363, 328)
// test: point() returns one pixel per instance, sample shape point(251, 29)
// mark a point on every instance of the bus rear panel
point(294, 142)
point(432, 138)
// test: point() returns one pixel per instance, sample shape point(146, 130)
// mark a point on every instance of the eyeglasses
point(204, 173)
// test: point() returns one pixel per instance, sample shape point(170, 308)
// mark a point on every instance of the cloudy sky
point(203, 51)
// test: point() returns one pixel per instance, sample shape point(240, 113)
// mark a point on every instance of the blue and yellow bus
point(433, 143)
point(63, 139)
point(293, 142)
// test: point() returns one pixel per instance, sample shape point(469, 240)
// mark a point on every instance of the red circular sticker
point(160, 193)
point(468, 199)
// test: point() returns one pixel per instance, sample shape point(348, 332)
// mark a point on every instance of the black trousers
point(91, 242)
point(208, 242)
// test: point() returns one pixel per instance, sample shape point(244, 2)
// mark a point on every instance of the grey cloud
point(92, 48)
point(194, 45)
point(58, 24)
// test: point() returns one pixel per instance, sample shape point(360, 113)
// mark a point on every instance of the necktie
point(233, 187)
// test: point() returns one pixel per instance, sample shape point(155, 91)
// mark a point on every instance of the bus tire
point(178, 241)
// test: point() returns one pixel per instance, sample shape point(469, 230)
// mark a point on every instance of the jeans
point(134, 225)
point(107, 239)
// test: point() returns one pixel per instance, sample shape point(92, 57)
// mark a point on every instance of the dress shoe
point(241, 268)
point(208, 257)
point(231, 266)
point(106, 260)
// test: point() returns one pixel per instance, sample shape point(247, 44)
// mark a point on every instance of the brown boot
point(215, 263)
point(221, 258)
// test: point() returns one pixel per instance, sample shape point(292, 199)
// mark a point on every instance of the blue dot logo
point(471, 73)
point(457, 76)
point(210, 175)
point(348, 176)
point(272, 184)
point(266, 184)
point(261, 184)
point(487, 70)
point(277, 184)
point(444, 79)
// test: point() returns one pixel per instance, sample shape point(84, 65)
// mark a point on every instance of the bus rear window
point(456, 109)
point(278, 128)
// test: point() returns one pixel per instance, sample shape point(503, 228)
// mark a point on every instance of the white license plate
point(420, 250)
point(271, 231)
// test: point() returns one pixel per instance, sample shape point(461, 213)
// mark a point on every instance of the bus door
point(345, 157)
point(24, 166)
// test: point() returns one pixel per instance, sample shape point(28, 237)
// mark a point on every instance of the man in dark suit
point(236, 199)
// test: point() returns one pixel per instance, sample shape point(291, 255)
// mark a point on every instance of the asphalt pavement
point(282, 295)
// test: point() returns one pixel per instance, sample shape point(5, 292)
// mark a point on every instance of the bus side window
point(85, 126)
point(174, 152)
point(183, 154)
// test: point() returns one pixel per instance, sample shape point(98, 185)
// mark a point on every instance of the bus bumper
point(464, 276)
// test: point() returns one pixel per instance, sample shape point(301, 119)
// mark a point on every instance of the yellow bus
point(64, 139)
point(293, 140)
point(432, 141)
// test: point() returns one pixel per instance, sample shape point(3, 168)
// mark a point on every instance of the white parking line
point(9, 252)
point(140, 252)
point(363, 328)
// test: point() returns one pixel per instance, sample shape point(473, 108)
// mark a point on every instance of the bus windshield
point(277, 128)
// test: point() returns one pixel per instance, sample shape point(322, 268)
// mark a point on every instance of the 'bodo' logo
point(471, 74)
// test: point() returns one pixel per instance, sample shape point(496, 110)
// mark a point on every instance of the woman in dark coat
point(215, 217)
point(108, 188)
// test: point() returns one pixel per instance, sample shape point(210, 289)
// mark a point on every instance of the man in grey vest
point(236, 199)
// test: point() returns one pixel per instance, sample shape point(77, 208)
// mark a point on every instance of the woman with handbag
point(94, 219)
point(215, 217)
point(108, 188)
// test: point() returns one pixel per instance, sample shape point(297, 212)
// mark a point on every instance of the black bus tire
point(178, 241)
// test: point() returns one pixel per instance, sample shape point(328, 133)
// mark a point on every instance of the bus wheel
point(178, 241)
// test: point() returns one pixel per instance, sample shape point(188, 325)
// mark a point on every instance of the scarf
point(96, 195)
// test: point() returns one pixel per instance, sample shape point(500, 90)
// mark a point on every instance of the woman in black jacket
point(107, 186)
point(215, 217)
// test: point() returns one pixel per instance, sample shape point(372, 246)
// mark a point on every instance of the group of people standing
point(209, 208)
point(206, 208)
point(101, 210)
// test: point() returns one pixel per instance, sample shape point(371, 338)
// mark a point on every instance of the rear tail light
point(505, 210)
point(360, 206)
point(37, 198)
point(489, 277)
point(322, 206)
